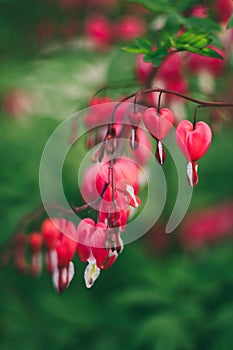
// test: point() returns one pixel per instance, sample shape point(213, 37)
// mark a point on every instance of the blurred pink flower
point(17, 103)
point(129, 27)
point(208, 226)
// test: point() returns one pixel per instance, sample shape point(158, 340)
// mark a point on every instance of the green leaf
point(201, 25)
point(182, 5)
point(174, 22)
point(140, 45)
point(162, 6)
point(230, 22)
point(157, 57)
point(143, 43)
point(132, 48)
point(196, 41)
point(206, 51)
point(210, 53)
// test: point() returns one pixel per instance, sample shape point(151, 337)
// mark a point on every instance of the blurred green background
point(161, 294)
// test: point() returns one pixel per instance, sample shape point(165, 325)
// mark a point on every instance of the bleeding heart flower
point(85, 229)
point(51, 236)
point(64, 272)
point(159, 124)
point(113, 216)
point(98, 29)
point(36, 240)
point(193, 142)
point(129, 28)
point(99, 246)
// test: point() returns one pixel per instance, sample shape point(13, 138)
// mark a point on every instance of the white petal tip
point(130, 191)
point(91, 274)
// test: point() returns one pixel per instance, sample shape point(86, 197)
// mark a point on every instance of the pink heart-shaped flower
point(193, 142)
point(158, 124)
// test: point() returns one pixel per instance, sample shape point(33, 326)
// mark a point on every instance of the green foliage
point(199, 33)
point(196, 43)
point(164, 6)
point(155, 6)
point(189, 41)
point(139, 46)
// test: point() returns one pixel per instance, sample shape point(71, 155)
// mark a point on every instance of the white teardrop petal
point(91, 274)
point(55, 279)
point(71, 272)
point(160, 148)
point(190, 173)
point(130, 190)
point(64, 275)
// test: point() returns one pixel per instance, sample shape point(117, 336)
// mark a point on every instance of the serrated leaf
point(230, 22)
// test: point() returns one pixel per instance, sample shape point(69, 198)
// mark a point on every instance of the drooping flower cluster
point(111, 188)
point(112, 193)
point(56, 245)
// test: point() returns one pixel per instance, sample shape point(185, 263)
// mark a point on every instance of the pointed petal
point(71, 272)
point(55, 279)
point(160, 153)
point(192, 173)
point(91, 274)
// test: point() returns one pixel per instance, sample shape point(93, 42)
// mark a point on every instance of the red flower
point(223, 9)
point(198, 63)
point(51, 236)
point(129, 28)
point(207, 226)
point(36, 241)
point(199, 11)
point(95, 247)
point(159, 124)
point(63, 273)
point(98, 29)
point(193, 142)
point(125, 186)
